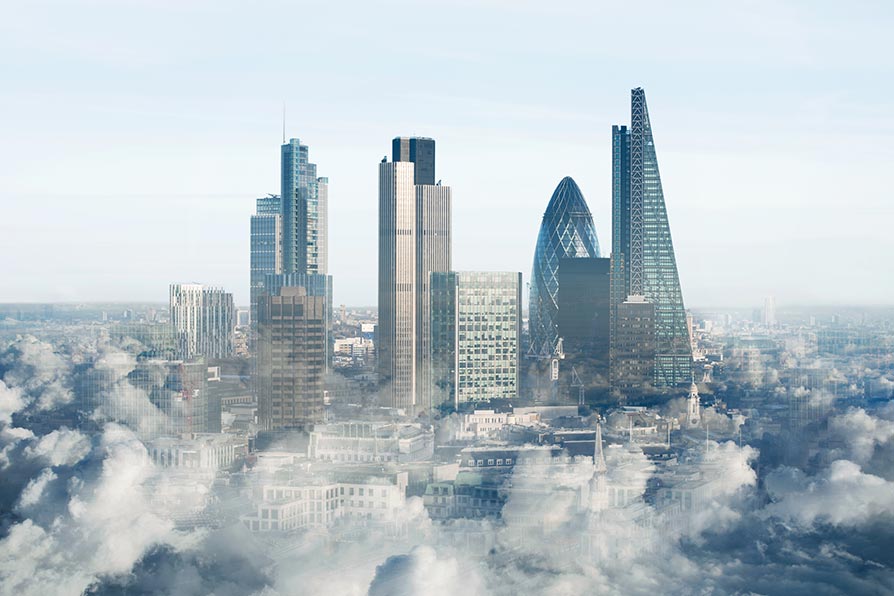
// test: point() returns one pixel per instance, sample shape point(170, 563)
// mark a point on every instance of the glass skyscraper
point(266, 247)
point(643, 264)
point(567, 231)
point(475, 335)
point(305, 210)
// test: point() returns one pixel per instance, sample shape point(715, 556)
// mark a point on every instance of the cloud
point(425, 571)
point(88, 511)
point(841, 495)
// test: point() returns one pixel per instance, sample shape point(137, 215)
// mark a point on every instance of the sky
point(135, 136)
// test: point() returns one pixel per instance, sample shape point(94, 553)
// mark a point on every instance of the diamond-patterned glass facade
point(644, 262)
point(567, 231)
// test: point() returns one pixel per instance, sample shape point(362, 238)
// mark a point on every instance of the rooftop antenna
point(283, 123)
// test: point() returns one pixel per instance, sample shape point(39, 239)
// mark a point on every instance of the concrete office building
point(475, 336)
point(291, 359)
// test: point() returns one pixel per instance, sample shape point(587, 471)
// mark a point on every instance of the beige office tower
point(291, 359)
point(414, 241)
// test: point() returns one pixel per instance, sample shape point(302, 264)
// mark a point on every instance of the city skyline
point(436, 322)
point(794, 135)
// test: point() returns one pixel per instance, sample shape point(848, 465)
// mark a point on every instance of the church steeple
point(598, 487)
point(693, 416)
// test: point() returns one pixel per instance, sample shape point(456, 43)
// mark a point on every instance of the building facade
point(583, 323)
point(203, 319)
point(291, 359)
point(154, 397)
point(305, 200)
point(414, 240)
point(266, 247)
point(315, 284)
point(475, 336)
point(567, 231)
point(644, 265)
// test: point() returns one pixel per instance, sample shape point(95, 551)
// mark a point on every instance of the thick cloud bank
point(87, 512)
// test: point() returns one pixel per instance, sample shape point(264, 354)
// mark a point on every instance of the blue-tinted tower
point(567, 231)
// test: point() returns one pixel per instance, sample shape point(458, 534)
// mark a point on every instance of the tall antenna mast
point(283, 123)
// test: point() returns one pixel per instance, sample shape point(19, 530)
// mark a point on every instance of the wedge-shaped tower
point(643, 264)
point(567, 231)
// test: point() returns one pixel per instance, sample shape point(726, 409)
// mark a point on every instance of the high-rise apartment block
point(644, 268)
point(203, 319)
point(414, 241)
point(291, 359)
point(475, 335)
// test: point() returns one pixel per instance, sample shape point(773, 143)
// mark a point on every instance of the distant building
point(481, 424)
point(154, 397)
point(644, 268)
point(768, 314)
point(266, 247)
point(414, 240)
point(371, 442)
point(305, 198)
point(291, 359)
point(633, 346)
point(567, 231)
point(314, 284)
point(584, 303)
point(197, 452)
point(475, 336)
point(203, 319)
point(318, 500)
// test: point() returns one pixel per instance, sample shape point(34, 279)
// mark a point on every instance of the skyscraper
point(567, 231)
point(584, 303)
point(314, 284)
point(475, 335)
point(203, 319)
point(291, 357)
point(414, 240)
point(420, 151)
point(266, 247)
point(644, 268)
point(304, 211)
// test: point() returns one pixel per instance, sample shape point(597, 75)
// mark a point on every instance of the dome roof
point(567, 231)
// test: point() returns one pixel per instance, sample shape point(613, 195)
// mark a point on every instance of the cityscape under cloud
point(417, 298)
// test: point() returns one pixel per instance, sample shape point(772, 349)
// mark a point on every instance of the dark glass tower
point(567, 231)
point(419, 150)
point(643, 262)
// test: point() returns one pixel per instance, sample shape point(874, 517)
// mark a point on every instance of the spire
point(598, 485)
point(598, 456)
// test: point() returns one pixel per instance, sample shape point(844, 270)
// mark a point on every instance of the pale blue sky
point(134, 136)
